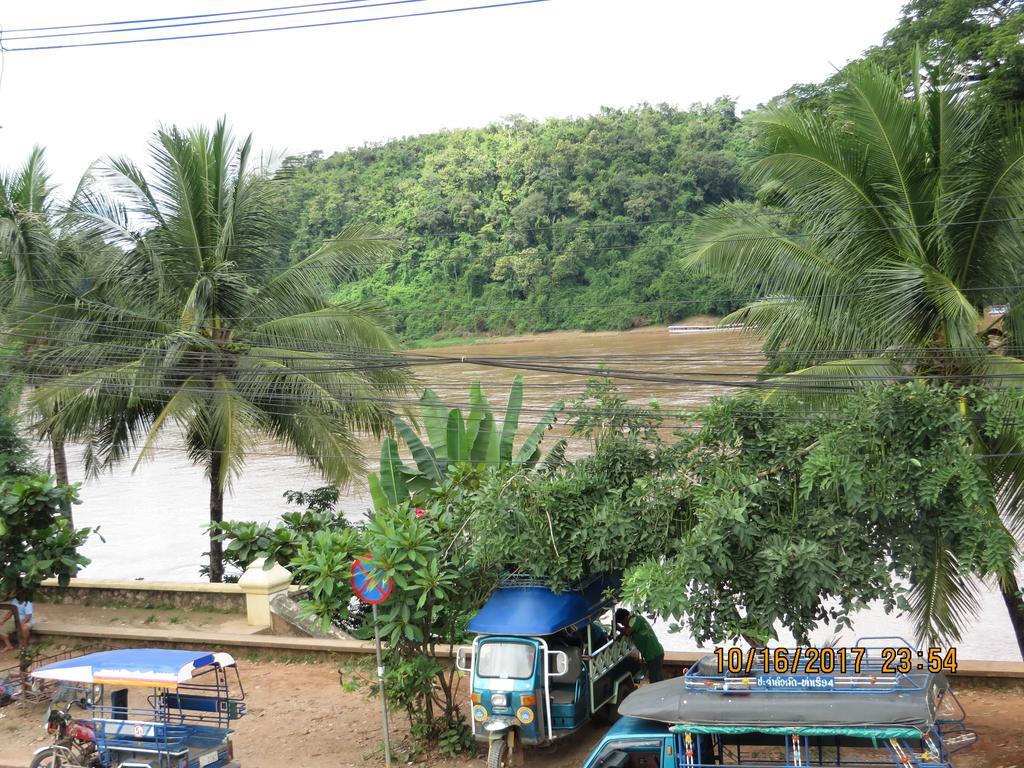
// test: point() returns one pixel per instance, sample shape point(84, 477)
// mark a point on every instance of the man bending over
point(636, 628)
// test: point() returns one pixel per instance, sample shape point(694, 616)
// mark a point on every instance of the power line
point(222, 21)
point(506, 4)
point(307, 345)
point(735, 379)
point(179, 18)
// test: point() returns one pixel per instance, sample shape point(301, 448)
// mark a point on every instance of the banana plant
point(451, 438)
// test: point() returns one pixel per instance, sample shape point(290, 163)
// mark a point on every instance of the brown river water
point(152, 516)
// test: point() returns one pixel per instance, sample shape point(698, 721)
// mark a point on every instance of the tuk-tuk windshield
point(499, 659)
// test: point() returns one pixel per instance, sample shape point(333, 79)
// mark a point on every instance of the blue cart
point(144, 708)
point(543, 665)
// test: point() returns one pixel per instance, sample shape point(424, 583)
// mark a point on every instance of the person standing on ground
point(24, 611)
point(7, 611)
point(637, 629)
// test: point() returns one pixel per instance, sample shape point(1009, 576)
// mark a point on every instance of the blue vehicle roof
point(151, 667)
point(535, 611)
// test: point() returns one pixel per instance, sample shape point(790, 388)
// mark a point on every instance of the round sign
point(368, 582)
point(525, 715)
point(479, 713)
point(139, 730)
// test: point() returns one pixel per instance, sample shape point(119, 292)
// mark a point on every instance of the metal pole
point(383, 698)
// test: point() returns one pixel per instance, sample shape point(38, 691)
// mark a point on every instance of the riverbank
point(302, 712)
point(553, 336)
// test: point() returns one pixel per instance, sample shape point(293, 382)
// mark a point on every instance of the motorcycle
point(74, 741)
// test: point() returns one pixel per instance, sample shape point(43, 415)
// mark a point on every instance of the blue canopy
point(535, 611)
point(154, 667)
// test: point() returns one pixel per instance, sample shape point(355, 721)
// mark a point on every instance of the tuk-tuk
point(866, 716)
point(543, 664)
point(144, 708)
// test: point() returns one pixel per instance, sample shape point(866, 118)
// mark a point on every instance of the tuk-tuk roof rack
point(709, 698)
point(519, 580)
point(525, 606)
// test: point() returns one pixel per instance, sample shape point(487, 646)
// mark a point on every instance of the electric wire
point(220, 21)
point(290, 27)
point(327, 350)
point(123, 22)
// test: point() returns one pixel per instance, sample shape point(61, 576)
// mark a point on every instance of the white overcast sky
point(340, 86)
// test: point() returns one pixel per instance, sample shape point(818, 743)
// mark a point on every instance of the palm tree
point(38, 248)
point(191, 323)
point(886, 226)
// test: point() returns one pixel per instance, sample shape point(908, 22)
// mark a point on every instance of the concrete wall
point(145, 594)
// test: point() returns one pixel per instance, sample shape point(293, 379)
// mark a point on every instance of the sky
point(334, 87)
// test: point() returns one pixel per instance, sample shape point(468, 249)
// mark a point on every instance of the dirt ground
point(305, 712)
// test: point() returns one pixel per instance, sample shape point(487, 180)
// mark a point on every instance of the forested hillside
point(530, 226)
point(576, 223)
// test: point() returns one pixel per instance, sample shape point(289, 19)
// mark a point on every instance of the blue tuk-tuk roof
point(536, 610)
point(151, 667)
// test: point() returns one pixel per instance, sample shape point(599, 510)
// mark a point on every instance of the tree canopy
point(530, 226)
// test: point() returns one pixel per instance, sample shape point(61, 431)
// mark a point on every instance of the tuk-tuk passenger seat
point(563, 686)
point(572, 673)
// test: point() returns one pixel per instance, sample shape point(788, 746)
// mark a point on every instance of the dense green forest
point(531, 226)
point(527, 226)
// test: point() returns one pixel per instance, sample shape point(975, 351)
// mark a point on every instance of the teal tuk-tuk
point(542, 664)
point(865, 716)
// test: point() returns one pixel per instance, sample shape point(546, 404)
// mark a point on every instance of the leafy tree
point(249, 541)
point(979, 39)
point(893, 223)
point(193, 325)
point(37, 539)
point(37, 542)
point(437, 587)
point(801, 521)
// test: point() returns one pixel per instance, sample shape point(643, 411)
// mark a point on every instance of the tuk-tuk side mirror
point(561, 662)
point(461, 659)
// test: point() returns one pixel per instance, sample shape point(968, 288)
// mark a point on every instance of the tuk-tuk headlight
point(499, 700)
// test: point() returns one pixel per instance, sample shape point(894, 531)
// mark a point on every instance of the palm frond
point(300, 288)
point(942, 599)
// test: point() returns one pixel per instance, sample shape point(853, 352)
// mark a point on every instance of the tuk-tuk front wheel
point(497, 753)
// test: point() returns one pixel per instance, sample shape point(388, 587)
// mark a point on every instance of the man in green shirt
point(635, 627)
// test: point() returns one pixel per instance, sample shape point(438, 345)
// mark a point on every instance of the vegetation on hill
point(577, 223)
point(530, 226)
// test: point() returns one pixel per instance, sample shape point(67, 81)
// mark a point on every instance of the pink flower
point(420, 513)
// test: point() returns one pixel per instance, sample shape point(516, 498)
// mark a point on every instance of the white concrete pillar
point(259, 583)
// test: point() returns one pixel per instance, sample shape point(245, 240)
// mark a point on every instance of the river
point(151, 517)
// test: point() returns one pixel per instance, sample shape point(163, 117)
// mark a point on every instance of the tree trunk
point(60, 470)
point(1015, 607)
point(216, 516)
